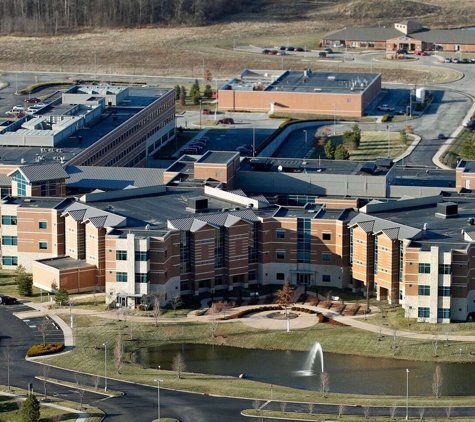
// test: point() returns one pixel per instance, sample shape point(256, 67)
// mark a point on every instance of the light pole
point(158, 396)
point(216, 99)
point(387, 128)
point(253, 142)
point(200, 114)
point(371, 65)
point(105, 365)
point(407, 394)
point(334, 119)
point(16, 81)
point(304, 131)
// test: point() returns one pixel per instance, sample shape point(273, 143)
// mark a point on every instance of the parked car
point(282, 48)
point(265, 51)
point(448, 60)
point(465, 60)
point(420, 53)
point(190, 150)
point(18, 108)
point(203, 139)
point(197, 144)
point(290, 48)
point(206, 111)
point(300, 49)
point(273, 52)
point(32, 100)
point(401, 112)
point(385, 107)
point(401, 51)
point(226, 121)
point(243, 150)
point(281, 53)
point(455, 60)
point(328, 50)
point(7, 300)
point(472, 60)
point(322, 54)
point(440, 136)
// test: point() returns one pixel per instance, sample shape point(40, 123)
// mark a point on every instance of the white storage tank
point(420, 95)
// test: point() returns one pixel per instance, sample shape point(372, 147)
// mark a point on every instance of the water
point(347, 373)
point(310, 361)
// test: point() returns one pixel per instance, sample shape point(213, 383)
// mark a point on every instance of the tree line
point(63, 16)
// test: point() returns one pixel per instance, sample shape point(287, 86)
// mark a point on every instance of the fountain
point(308, 368)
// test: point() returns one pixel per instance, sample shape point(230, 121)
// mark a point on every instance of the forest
point(51, 17)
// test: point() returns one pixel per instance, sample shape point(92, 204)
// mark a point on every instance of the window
point(376, 251)
point(424, 290)
point(326, 236)
point(349, 100)
point(424, 268)
point(326, 278)
point(9, 260)
point(141, 256)
point(251, 276)
point(423, 312)
point(43, 245)
point(218, 174)
point(9, 220)
point(21, 184)
point(218, 280)
point(121, 255)
point(141, 277)
point(43, 225)
point(326, 256)
point(280, 234)
point(183, 285)
point(280, 254)
point(121, 277)
point(444, 291)
point(445, 269)
point(9, 240)
point(280, 276)
point(443, 313)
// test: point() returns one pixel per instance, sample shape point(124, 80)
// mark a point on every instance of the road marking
point(265, 404)
point(104, 399)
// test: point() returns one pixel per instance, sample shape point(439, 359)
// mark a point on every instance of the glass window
point(326, 236)
point(218, 280)
point(423, 312)
point(280, 254)
point(21, 184)
point(251, 275)
point(326, 256)
point(444, 291)
point(424, 290)
point(121, 255)
point(9, 240)
point(443, 313)
point(280, 234)
point(43, 245)
point(424, 268)
point(280, 276)
point(141, 277)
point(9, 220)
point(9, 260)
point(121, 277)
point(326, 278)
point(445, 269)
point(43, 225)
point(141, 256)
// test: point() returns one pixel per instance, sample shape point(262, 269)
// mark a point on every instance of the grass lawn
point(373, 145)
point(91, 332)
point(451, 155)
point(8, 286)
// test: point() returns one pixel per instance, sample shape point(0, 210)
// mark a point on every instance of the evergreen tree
point(403, 138)
point(177, 92)
point(329, 149)
point(30, 411)
point(356, 135)
point(183, 91)
point(208, 92)
point(341, 153)
point(182, 99)
point(195, 97)
point(24, 282)
point(62, 297)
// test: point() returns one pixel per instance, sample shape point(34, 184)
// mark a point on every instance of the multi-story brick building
point(195, 235)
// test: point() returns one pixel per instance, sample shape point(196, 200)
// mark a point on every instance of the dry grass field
point(186, 51)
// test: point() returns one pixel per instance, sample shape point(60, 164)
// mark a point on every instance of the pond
point(347, 373)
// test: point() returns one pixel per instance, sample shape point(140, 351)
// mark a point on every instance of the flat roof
point(217, 157)
point(65, 263)
point(38, 202)
point(112, 117)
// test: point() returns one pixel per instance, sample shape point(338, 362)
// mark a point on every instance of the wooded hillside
point(62, 16)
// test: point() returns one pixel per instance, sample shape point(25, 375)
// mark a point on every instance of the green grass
point(451, 155)
point(91, 332)
point(8, 286)
point(373, 145)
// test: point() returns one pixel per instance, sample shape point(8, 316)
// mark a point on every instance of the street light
point(334, 119)
point(407, 394)
point(304, 131)
point(387, 128)
point(216, 99)
point(105, 365)
point(200, 114)
point(158, 397)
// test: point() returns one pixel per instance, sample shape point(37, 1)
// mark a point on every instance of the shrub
point(314, 301)
point(321, 317)
point(47, 349)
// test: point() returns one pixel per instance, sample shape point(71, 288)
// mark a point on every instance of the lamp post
point(16, 81)
point(253, 142)
point(334, 119)
point(158, 396)
point(200, 114)
point(105, 365)
point(407, 394)
point(216, 99)
point(387, 128)
point(304, 131)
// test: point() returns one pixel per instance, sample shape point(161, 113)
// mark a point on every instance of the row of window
point(442, 291)
point(326, 256)
point(13, 241)
point(280, 234)
point(9, 260)
point(139, 255)
point(442, 313)
point(11, 220)
point(121, 277)
point(325, 277)
point(424, 268)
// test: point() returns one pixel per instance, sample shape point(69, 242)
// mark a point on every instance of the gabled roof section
point(224, 219)
point(97, 217)
point(391, 233)
point(363, 34)
point(366, 226)
point(380, 225)
point(41, 172)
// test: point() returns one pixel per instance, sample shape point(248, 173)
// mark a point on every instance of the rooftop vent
point(447, 210)
point(198, 204)
point(331, 78)
point(471, 221)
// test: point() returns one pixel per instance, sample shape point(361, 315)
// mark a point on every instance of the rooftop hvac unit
point(331, 78)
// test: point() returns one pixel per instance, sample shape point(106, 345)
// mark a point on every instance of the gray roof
point(99, 218)
point(88, 177)
point(385, 226)
point(218, 157)
point(446, 36)
point(363, 34)
point(42, 172)
point(65, 263)
point(5, 180)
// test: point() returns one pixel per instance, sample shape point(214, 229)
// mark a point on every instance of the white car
point(18, 108)
point(385, 107)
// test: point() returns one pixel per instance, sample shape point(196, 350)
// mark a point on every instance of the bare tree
point(341, 409)
point(283, 406)
point(118, 353)
point(125, 314)
point(325, 378)
point(437, 382)
point(407, 309)
point(96, 380)
point(80, 387)
point(392, 410)
point(213, 319)
point(422, 410)
point(435, 344)
point(285, 295)
point(131, 328)
point(394, 331)
point(45, 371)
point(176, 301)
point(448, 410)
point(366, 411)
point(157, 310)
point(179, 365)
point(8, 363)
point(310, 408)
point(447, 331)
point(44, 328)
point(256, 405)
point(224, 307)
